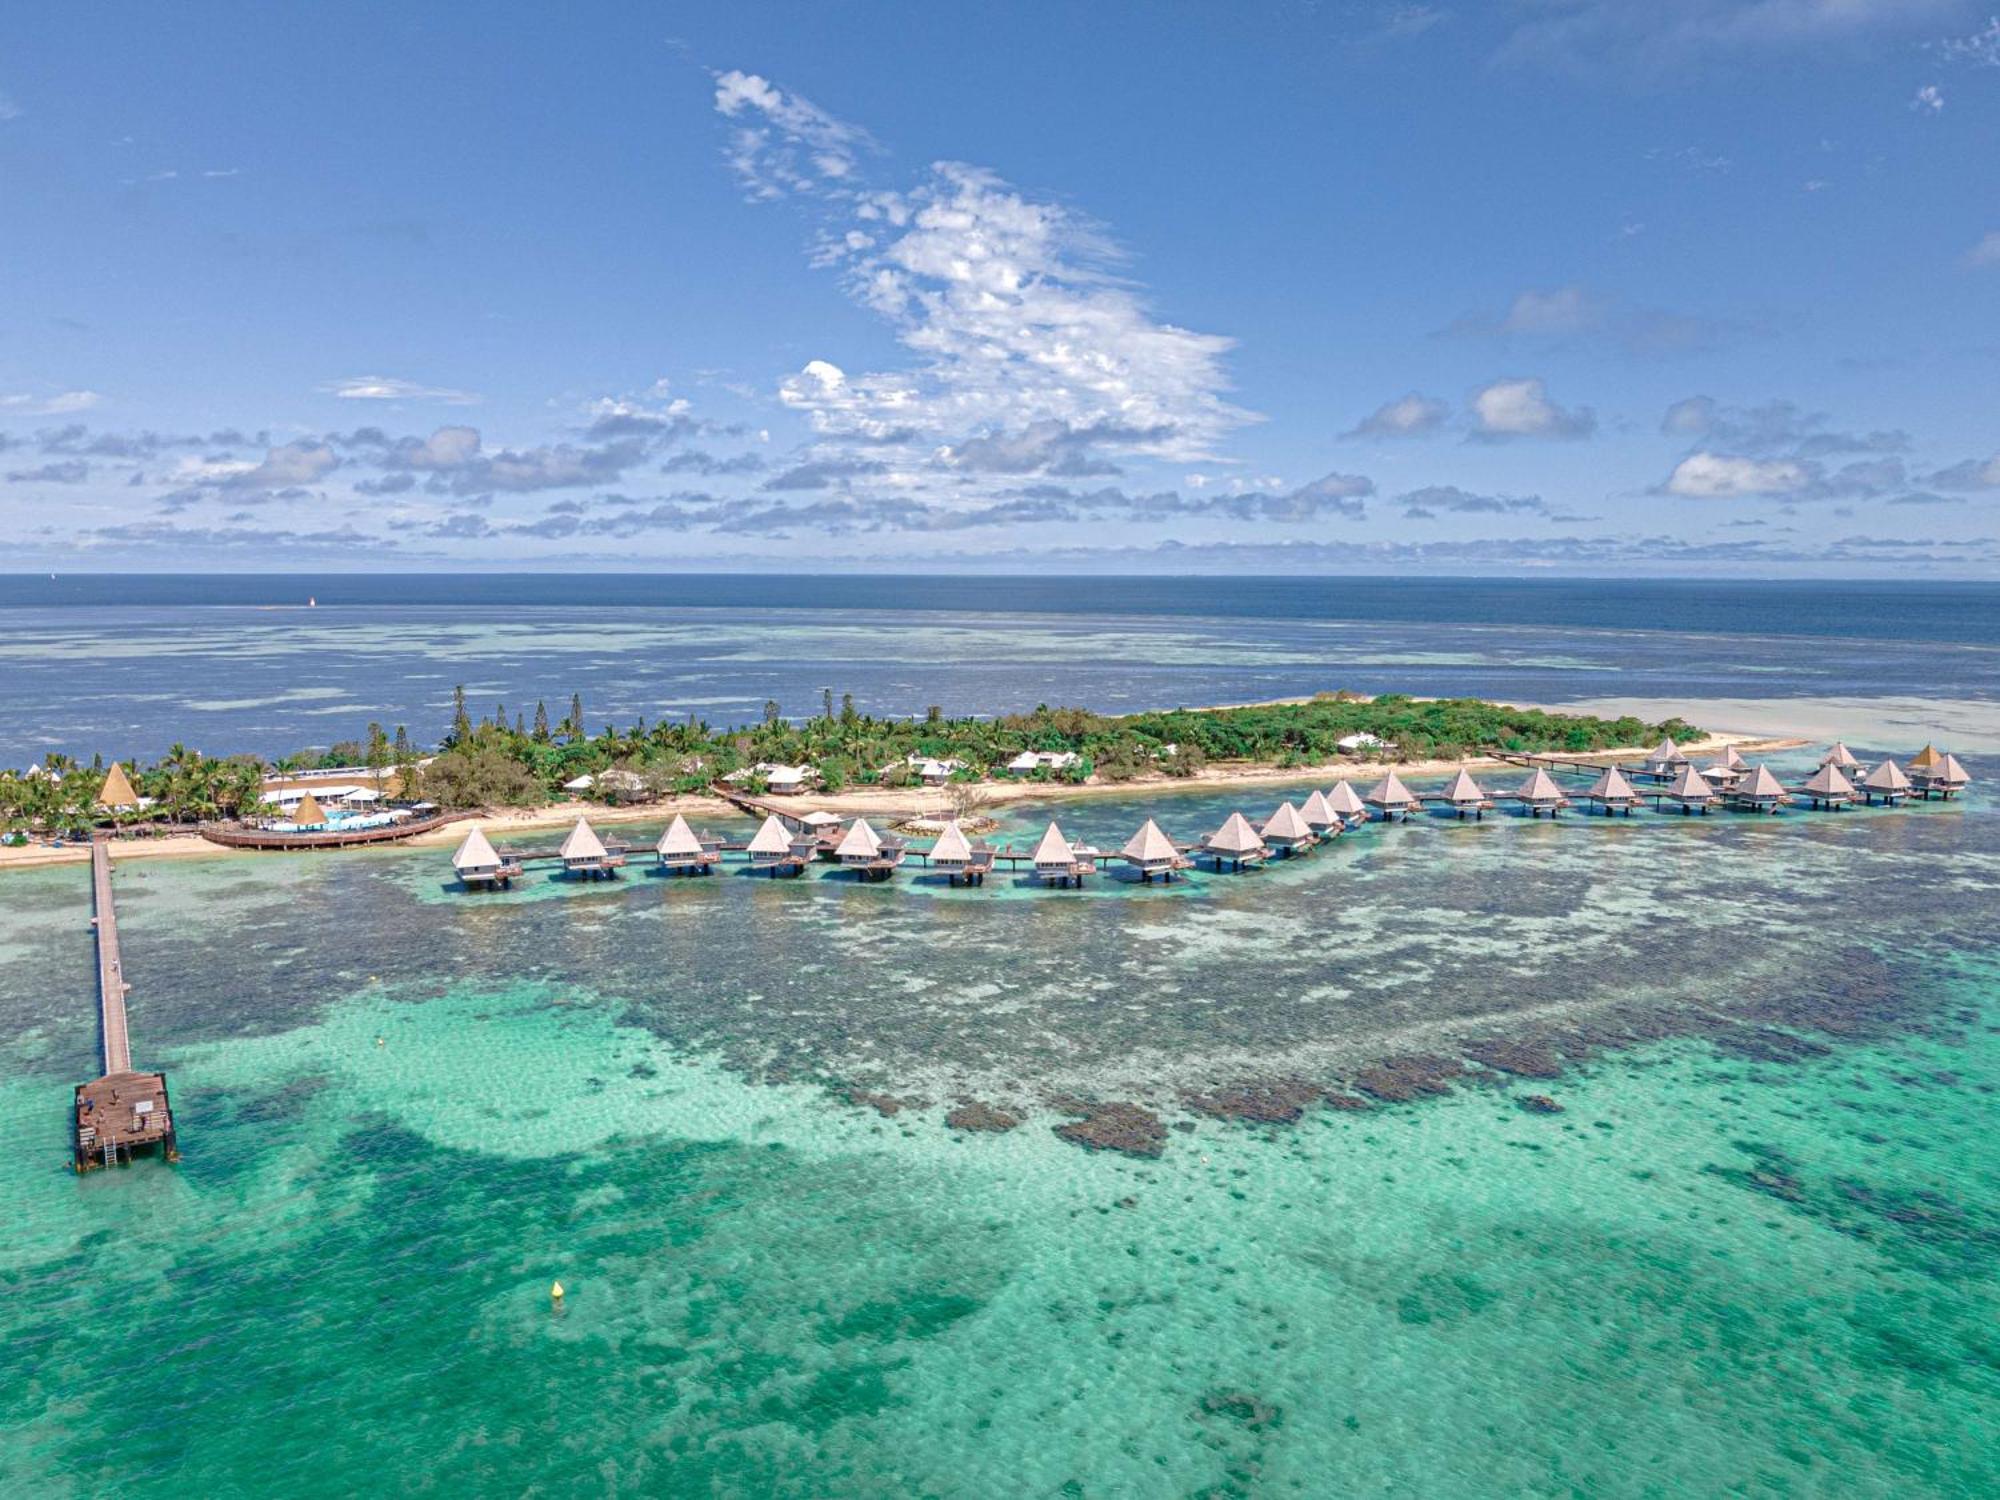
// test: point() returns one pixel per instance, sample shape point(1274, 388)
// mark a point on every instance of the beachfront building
point(682, 853)
point(779, 780)
point(1690, 789)
point(1827, 787)
point(1886, 782)
point(1355, 744)
point(1464, 795)
point(478, 863)
point(1612, 792)
point(1287, 831)
point(1030, 761)
point(1539, 794)
point(1760, 791)
point(1058, 862)
point(116, 795)
point(771, 848)
point(1345, 801)
point(583, 853)
point(1936, 775)
point(1390, 798)
point(1151, 852)
point(1666, 759)
point(863, 851)
point(1235, 843)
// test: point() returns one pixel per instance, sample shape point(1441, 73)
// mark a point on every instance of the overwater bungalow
point(681, 852)
point(1760, 791)
point(1841, 759)
point(1235, 843)
point(1287, 831)
point(1612, 792)
point(1827, 787)
point(478, 863)
point(1726, 770)
point(1886, 783)
point(1464, 795)
point(1151, 852)
point(1345, 801)
point(1939, 776)
point(954, 854)
point(1690, 789)
point(1389, 797)
point(1320, 817)
point(773, 850)
point(864, 852)
point(1539, 794)
point(1058, 863)
point(583, 853)
point(1665, 759)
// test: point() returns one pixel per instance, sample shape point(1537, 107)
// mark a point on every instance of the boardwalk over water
point(123, 1111)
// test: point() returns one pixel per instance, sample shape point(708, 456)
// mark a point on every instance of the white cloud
point(1009, 307)
point(300, 463)
point(390, 388)
point(1981, 49)
point(1721, 476)
point(1986, 252)
point(1659, 35)
point(1521, 408)
point(9, 110)
point(1567, 309)
point(1929, 100)
point(1406, 416)
point(62, 404)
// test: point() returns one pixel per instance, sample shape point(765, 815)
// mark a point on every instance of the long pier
point(124, 1111)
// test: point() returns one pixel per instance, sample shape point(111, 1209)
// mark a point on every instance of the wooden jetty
point(244, 836)
point(124, 1111)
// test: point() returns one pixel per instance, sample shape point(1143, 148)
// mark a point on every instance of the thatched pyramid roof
point(1054, 849)
point(116, 794)
point(770, 837)
point(1235, 836)
point(1286, 823)
point(1925, 759)
point(1689, 786)
point(1611, 786)
point(1540, 787)
point(1828, 781)
point(1840, 755)
point(1344, 800)
point(1887, 777)
point(1388, 792)
point(952, 845)
point(1149, 845)
point(1951, 772)
point(1762, 784)
point(1318, 812)
point(679, 838)
point(309, 810)
point(476, 853)
point(860, 842)
point(1729, 760)
point(583, 842)
point(1464, 789)
point(1666, 753)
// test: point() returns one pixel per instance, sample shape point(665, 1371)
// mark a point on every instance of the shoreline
point(872, 801)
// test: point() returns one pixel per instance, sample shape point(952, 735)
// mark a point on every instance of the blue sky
point(1584, 286)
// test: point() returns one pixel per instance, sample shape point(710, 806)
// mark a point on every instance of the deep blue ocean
point(129, 664)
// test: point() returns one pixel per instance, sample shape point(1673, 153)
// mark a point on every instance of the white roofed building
point(682, 852)
point(1151, 852)
point(1391, 798)
point(478, 863)
point(1287, 831)
point(1539, 794)
point(1828, 787)
point(1690, 789)
point(1612, 792)
point(1886, 782)
point(1760, 791)
point(1235, 843)
point(1464, 795)
point(584, 853)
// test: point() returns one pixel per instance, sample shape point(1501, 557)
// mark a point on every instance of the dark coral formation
point(1241, 1406)
point(1278, 1101)
point(1128, 1128)
point(1540, 1104)
point(981, 1117)
point(1397, 1080)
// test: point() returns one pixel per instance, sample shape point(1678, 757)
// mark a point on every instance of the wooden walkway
point(123, 1111)
point(238, 836)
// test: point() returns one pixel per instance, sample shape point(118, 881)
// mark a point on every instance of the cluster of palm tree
point(183, 786)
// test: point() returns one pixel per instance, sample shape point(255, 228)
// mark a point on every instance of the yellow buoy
point(556, 1292)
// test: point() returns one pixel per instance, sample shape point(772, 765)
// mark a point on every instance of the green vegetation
point(501, 761)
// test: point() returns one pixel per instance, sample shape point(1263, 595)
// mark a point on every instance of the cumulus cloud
point(461, 464)
point(1973, 474)
point(1407, 416)
point(821, 474)
point(62, 404)
point(1928, 100)
point(1520, 408)
point(1433, 499)
point(64, 471)
point(1027, 351)
point(1719, 476)
point(1979, 50)
point(1775, 427)
point(1561, 310)
point(1986, 252)
point(390, 388)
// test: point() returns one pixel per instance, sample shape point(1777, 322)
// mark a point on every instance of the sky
point(1666, 287)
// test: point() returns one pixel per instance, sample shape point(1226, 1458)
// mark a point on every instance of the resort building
point(1354, 743)
point(116, 795)
point(772, 849)
point(1612, 792)
point(1666, 758)
point(1539, 794)
point(1690, 789)
point(1827, 787)
point(1841, 759)
point(863, 851)
point(1726, 770)
point(1389, 797)
point(682, 853)
point(583, 853)
point(1344, 800)
point(954, 854)
point(1030, 761)
point(1935, 775)
point(1464, 795)
point(1887, 782)
point(1287, 831)
point(1760, 791)
point(1235, 843)
point(1058, 863)
point(478, 863)
point(1320, 816)
point(1151, 852)
point(779, 780)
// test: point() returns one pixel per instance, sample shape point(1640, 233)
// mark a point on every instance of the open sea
point(1756, 1252)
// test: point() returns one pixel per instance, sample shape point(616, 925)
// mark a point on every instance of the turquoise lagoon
point(1727, 1266)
